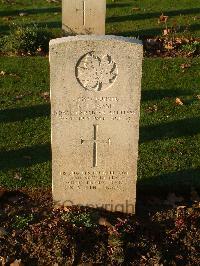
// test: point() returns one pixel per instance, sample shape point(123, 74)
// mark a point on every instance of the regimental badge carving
point(95, 73)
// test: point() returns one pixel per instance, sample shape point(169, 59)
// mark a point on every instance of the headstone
point(83, 17)
point(95, 98)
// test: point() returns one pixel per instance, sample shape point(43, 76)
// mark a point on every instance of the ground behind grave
point(33, 233)
point(126, 18)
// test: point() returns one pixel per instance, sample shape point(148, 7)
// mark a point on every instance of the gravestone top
point(83, 16)
point(95, 103)
point(95, 38)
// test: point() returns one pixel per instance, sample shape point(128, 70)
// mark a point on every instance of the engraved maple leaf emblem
point(95, 73)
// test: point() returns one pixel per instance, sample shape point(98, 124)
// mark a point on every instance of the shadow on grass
point(118, 5)
point(139, 33)
point(161, 94)
point(4, 29)
point(37, 11)
point(154, 31)
point(144, 16)
point(179, 182)
point(25, 157)
point(174, 129)
point(50, 24)
point(21, 114)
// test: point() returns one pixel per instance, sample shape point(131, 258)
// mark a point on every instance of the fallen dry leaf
point(166, 32)
point(66, 209)
point(19, 97)
point(2, 232)
point(104, 222)
point(17, 263)
point(17, 176)
point(2, 192)
point(45, 95)
point(183, 66)
point(178, 101)
point(162, 18)
point(135, 8)
point(22, 14)
point(7, 18)
point(169, 45)
point(180, 210)
point(178, 41)
point(2, 261)
point(152, 109)
point(13, 75)
point(2, 73)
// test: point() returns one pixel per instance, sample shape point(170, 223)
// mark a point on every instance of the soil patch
point(32, 232)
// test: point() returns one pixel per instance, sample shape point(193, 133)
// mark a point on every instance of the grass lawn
point(169, 153)
point(124, 17)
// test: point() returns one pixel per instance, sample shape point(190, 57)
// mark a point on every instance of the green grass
point(25, 123)
point(169, 152)
point(170, 136)
point(40, 12)
point(122, 17)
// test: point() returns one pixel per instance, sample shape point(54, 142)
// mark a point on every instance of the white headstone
point(83, 16)
point(95, 98)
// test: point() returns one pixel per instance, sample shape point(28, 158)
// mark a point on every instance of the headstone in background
point(95, 97)
point(83, 17)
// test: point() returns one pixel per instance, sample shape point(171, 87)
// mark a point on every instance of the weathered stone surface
point(83, 16)
point(95, 98)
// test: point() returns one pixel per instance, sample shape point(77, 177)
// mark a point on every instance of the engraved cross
point(83, 10)
point(95, 144)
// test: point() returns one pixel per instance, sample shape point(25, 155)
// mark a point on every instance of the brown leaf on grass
point(18, 176)
point(13, 75)
point(17, 263)
point(172, 199)
point(2, 73)
point(22, 14)
point(179, 41)
point(45, 95)
point(169, 45)
point(19, 97)
point(183, 66)
point(2, 232)
point(135, 8)
point(2, 192)
point(104, 222)
point(7, 18)
point(198, 96)
point(166, 32)
point(162, 18)
point(178, 101)
point(2, 261)
point(152, 109)
point(180, 210)
point(66, 209)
